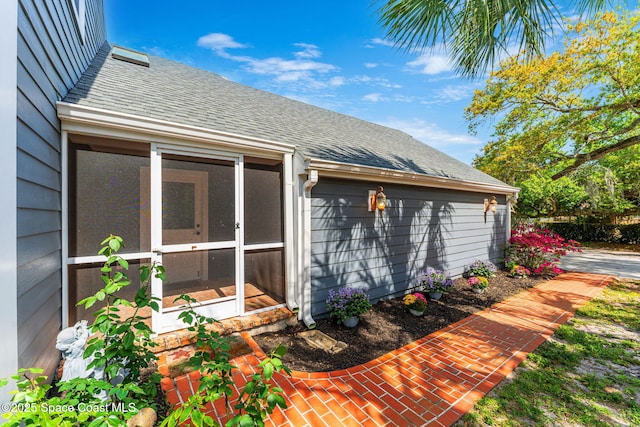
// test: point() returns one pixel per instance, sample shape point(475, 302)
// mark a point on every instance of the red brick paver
point(432, 381)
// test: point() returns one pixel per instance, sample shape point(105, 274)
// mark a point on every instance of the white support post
point(8, 177)
point(289, 245)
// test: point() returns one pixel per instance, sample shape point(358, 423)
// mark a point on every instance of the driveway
point(613, 263)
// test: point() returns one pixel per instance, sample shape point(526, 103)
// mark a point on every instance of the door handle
point(197, 233)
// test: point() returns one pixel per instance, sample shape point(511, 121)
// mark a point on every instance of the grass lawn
point(587, 374)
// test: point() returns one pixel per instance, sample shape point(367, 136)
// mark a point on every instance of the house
point(250, 200)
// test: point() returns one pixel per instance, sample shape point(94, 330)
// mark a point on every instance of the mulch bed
point(388, 326)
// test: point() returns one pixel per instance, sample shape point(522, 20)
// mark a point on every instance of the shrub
point(590, 232)
point(537, 249)
point(433, 280)
point(347, 302)
point(481, 269)
point(121, 347)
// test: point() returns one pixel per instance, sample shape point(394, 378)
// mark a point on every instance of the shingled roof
point(177, 93)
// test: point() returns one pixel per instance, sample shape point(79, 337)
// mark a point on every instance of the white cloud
point(375, 81)
point(277, 66)
point(300, 69)
point(379, 42)
point(431, 64)
point(337, 81)
point(373, 97)
point(370, 65)
point(378, 97)
point(430, 133)
point(452, 93)
point(219, 42)
point(308, 51)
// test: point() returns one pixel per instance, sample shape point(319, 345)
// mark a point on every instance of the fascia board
point(82, 119)
point(366, 173)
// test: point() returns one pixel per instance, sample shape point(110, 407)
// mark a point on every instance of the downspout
point(311, 181)
point(290, 214)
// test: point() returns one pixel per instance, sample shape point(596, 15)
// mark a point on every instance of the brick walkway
point(430, 382)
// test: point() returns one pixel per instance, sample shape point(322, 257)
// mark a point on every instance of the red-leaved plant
point(538, 249)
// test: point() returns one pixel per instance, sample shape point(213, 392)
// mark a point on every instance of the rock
point(145, 418)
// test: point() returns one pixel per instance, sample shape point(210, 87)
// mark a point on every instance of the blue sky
point(326, 53)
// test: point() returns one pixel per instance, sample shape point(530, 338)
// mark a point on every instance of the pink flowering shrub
point(538, 249)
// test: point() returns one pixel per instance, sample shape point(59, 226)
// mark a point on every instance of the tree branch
point(597, 154)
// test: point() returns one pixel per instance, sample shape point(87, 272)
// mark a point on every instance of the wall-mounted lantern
point(377, 200)
point(490, 204)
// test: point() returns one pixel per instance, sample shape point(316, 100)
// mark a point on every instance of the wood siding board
point(46, 339)
point(42, 22)
point(64, 29)
point(38, 296)
point(30, 142)
point(386, 252)
point(36, 221)
point(41, 347)
point(42, 49)
point(30, 90)
point(29, 115)
point(351, 245)
point(30, 330)
point(50, 82)
point(39, 271)
point(32, 248)
point(33, 170)
point(35, 196)
point(51, 59)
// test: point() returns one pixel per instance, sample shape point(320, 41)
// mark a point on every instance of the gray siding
point(384, 253)
point(51, 59)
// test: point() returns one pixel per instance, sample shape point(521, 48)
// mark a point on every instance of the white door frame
point(166, 319)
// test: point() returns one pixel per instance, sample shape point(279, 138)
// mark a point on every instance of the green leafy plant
point(480, 268)
point(122, 347)
point(347, 302)
point(119, 350)
point(31, 406)
point(258, 398)
point(432, 280)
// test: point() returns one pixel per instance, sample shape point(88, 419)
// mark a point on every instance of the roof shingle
point(174, 92)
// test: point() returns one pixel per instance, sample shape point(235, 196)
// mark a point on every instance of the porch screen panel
point(198, 200)
point(263, 234)
point(204, 275)
point(85, 280)
point(263, 203)
point(264, 278)
point(105, 197)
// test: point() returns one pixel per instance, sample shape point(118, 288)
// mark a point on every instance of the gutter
point(332, 169)
point(305, 237)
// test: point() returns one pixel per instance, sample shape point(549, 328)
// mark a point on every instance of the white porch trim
point(8, 176)
point(84, 122)
point(333, 169)
point(78, 119)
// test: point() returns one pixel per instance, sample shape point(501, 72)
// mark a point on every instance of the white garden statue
point(71, 342)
